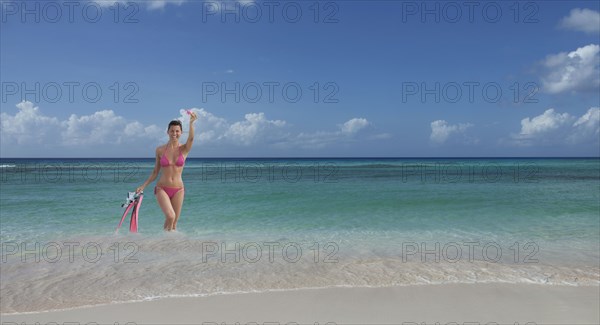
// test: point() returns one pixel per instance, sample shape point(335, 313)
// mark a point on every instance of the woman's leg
point(177, 202)
point(165, 204)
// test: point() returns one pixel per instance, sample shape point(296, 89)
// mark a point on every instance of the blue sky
point(363, 68)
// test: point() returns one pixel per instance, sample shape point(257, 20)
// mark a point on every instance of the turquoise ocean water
point(283, 224)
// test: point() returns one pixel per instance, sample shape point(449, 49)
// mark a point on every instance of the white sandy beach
point(459, 303)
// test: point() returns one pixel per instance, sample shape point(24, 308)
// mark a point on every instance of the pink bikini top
point(164, 161)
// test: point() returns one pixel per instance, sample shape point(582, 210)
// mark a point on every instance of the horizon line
point(332, 157)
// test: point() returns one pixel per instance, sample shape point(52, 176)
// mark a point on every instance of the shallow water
point(281, 224)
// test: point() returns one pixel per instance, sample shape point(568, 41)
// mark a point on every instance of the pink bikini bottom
point(171, 191)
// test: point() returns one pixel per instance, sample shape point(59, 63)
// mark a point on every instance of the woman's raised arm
point(190, 139)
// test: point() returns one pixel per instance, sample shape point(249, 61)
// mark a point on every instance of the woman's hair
point(175, 122)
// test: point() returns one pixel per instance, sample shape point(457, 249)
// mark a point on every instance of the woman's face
point(174, 132)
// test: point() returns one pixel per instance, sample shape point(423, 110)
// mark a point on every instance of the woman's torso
point(171, 161)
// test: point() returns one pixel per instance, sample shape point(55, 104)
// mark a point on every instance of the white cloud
point(321, 139)
point(29, 126)
point(587, 127)
point(209, 126)
point(546, 122)
point(108, 3)
point(214, 6)
point(441, 131)
point(97, 128)
point(552, 128)
point(314, 140)
point(253, 129)
point(150, 4)
point(380, 136)
point(578, 70)
point(346, 133)
point(354, 125)
point(257, 129)
point(584, 20)
point(159, 4)
point(104, 127)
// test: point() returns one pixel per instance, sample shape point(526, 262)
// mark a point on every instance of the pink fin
point(133, 223)
point(133, 226)
point(124, 214)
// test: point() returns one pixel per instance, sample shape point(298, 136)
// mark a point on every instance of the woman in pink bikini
point(170, 159)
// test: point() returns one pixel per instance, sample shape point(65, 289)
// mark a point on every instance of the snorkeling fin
point(133, 223)
point(133, 200)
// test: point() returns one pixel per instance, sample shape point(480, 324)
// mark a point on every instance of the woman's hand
point(139, 189)
point(193, 117)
